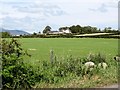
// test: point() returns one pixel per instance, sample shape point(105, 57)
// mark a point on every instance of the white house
point(55, 32)
point(63, 31)
point(67, 31)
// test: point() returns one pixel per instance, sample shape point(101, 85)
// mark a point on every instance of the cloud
point(104, 7)
point(45, 9)
point(26, 23)
point(34, 15)
point(20, 9)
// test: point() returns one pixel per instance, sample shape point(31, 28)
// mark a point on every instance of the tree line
point(75, 29)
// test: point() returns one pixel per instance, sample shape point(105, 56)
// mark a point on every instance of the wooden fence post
point(51, 55)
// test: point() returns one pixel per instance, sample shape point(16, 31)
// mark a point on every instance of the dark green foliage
point(96, 58)
point(75, 29)
point(68, 36)
point(47, 28)
point(5, 35)
point(58, 70)
point(82, 30)
point(15, 73)
point(65, 28)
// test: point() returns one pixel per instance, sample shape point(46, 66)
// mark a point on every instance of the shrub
point(96, 58)
point(58, 70)
point(15, 73)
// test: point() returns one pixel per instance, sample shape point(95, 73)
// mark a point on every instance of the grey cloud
point(4, 13)
point(15, 4)
point(104, 7)
point(52, 10)
point(46, 9)
point(26, 23)
point(112, 5)
point(11, 22)
point(43, 9)
point(26, 19)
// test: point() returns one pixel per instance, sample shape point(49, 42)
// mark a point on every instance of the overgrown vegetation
point(63, 70)
point(18, 74)
point(5, 35)
point(54, 72)
point(15, 73)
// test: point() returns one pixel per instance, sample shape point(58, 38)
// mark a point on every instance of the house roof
point(52, 31)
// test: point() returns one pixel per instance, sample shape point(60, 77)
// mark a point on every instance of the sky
point(35, 15)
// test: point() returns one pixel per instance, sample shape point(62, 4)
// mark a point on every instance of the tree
point(5, 35)
point(99, 30)
point(79, 28)
point(39, 32)
point(74, 29)
point(63, 28)
point(107, 30)
point(89, 29)
point(47, 29)
point(34, 33)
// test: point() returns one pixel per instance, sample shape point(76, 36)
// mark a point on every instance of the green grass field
point(79, 48)
point(40, 48)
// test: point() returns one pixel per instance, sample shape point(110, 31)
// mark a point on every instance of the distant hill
point(14, 32)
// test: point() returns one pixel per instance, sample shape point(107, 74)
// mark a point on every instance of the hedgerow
point(15, 73)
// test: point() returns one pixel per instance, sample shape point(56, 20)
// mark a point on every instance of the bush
point(15, 73)
point(96, 58)
point(60, 69)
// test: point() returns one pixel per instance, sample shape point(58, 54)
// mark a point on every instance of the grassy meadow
point(40, 48)
point(63, 48)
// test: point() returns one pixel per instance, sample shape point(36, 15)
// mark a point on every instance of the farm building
point(67, 31)
point(54, 32)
